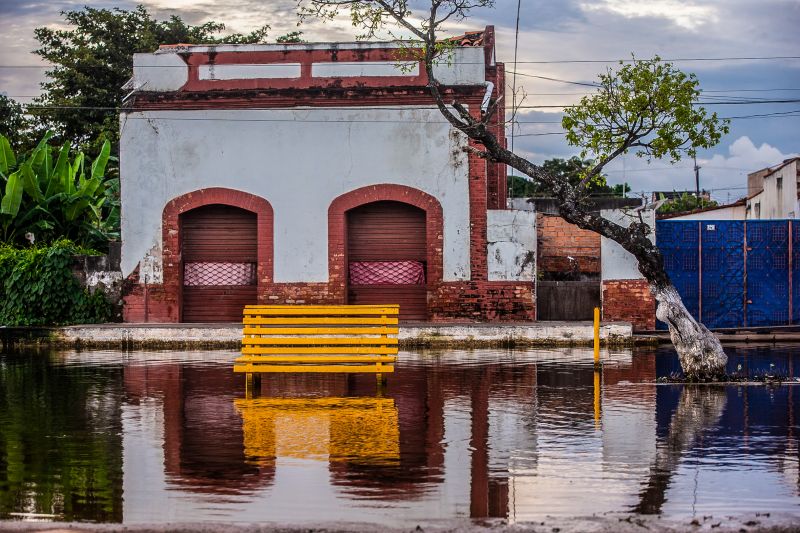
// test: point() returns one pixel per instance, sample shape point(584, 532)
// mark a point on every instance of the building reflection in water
point(460, 434)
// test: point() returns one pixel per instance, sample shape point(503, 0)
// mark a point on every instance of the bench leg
point(252, 385)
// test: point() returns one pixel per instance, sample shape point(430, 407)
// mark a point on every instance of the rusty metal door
point(219, 251)
point(387, 257)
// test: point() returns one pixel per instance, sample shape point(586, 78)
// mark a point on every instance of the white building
point(315, 173)
point(773, 191)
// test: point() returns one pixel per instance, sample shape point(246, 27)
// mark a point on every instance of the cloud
point(687, 15)
point(724, 174)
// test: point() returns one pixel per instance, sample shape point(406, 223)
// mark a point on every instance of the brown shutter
point(389, 232)
point(219, 252)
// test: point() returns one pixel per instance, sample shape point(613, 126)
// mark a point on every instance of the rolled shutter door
point(219, 252)
point(388, 239)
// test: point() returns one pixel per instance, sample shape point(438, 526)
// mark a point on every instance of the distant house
point(732, 211)
point(773, 191)
point(316, 173)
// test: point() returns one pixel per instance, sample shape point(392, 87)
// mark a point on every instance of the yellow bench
point(319, 338)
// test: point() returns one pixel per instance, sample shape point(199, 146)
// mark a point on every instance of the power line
point(554, 79)
point(514, 76)
point(32, 108)
point(675, 59)
point(529, 62)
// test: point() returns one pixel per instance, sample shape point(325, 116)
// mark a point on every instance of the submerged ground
point(456, 439)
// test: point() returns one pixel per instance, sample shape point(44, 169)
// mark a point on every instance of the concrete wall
point(511, 245)
point(165, 70)
point(615, 262)
point(102, 273)
point(299, 169)
point(777, 202)
point(736, 212)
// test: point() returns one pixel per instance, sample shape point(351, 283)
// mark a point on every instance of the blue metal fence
point(734, 273)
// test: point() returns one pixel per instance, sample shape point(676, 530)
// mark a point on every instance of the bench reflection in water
point(362, 430)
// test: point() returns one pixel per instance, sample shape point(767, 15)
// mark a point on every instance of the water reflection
point(361, 430)
point(519, 435)
point(699, 409)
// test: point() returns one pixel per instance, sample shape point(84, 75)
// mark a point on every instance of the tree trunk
point(700, 352)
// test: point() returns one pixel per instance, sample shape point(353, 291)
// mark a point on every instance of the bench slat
point(320, 311)
point(321, 341)
point(373, 368)
point(321, 306)
point(345, 330)
point(388, 321)
point(272, 359)
point(370, 350)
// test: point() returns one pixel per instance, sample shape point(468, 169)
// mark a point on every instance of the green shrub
point(37, 288)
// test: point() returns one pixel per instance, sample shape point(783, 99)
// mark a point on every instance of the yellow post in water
point(597, 397)
point(596, 336)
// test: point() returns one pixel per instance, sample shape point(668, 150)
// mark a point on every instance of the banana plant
point(47, 198)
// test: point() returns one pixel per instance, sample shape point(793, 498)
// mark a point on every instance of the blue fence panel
point(767, 273)
point(796, 272)
point(679, 242)
point(722, 274)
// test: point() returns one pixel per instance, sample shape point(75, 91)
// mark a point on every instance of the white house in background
point(772, 192)
point(734, 211)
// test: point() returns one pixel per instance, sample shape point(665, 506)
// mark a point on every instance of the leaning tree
point(644, 107)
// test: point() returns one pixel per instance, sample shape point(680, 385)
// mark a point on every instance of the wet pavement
point(455, 439)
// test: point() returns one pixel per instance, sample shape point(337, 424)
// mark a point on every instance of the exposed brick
point(558, 240)
point(629, 300)
point(483, 301)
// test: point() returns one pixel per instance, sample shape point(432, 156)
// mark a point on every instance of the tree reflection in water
point(699, 409)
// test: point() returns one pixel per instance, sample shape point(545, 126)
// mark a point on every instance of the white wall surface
point(297, 159)
point(615, 262)
point(736, 212)
point(159, 72)
point(777, 203)
point(511, 245)
point(241, 71)
point(349, 69)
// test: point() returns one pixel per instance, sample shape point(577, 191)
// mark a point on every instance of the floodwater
point(518, 435)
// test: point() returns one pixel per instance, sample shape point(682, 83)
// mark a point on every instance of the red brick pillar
point(629, 300)
point(477, 213)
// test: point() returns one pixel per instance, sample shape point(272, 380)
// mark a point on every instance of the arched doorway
point(387, 257)
point(219, 252)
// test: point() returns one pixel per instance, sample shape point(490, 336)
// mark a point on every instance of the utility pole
point(697, 177)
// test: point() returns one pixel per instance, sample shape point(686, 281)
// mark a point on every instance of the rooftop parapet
point(199, 68)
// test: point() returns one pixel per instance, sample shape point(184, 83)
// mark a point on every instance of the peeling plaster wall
point(615, 262)
point(297, 159)
point(166, 71)
point(511, 245)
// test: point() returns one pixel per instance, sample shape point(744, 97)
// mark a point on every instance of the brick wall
point(558, 240)
point(629, 300)
point(483, 301)
point(146, 303)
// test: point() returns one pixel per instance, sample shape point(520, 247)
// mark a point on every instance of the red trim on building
point(288, 98)
point(306, 58)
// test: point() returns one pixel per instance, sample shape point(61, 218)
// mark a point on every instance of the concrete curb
point(228, 336)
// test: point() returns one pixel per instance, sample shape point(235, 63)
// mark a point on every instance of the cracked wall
point(511, 245)
point(297, 159)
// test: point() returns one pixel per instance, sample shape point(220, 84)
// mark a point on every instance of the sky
point(572, 40)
